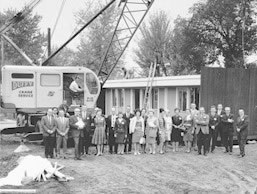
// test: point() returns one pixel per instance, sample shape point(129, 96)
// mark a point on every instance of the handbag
point(142, 140)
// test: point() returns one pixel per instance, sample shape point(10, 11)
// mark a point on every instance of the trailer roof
point(185, 80)
point(43, 68)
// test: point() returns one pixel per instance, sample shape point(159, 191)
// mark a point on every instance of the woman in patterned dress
point(168, 128)
point(151, 131)
point(99, 136)
point(162, 130)
point(176, 131)
point(120, 132)
point(137, 129)
point(188, 136)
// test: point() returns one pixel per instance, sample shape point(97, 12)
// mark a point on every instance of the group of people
point(143, 132)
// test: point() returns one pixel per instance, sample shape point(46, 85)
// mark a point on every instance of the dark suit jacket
point(87, 120)
point(110, 130)
point(75, 132)
point(46, 125)
point(242, 124)
point(227, 125)
point(128, 120)
point(121, 127)
point(214, 120)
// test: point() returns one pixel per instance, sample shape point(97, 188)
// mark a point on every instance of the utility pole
point(2, 60)
point(49, 43)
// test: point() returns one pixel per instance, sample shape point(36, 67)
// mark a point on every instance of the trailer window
point(50, 80)
point(22, 75)
point(91, 82)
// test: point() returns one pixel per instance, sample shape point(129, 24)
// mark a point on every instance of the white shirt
point(75, 87)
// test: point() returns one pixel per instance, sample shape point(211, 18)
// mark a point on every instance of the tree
point(154, 43)
point(187, 54)
point(95, 39)
point(221, 24)
point(66, 57)
point(26, 35)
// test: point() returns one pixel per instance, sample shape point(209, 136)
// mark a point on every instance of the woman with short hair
point(137, 129)
point(151, 131)
point(176, 129)
point(120, 132)
point(188, 125)
point(168, 128)
point(161, 130)
point(99, 136)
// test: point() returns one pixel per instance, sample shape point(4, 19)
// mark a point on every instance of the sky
point(48, 9)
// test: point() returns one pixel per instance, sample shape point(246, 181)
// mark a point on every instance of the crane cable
point(55, 24)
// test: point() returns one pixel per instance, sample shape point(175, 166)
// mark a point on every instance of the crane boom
point(132, 15)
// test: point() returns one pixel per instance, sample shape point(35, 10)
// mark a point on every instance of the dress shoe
point(241, 156)
point(199, 153)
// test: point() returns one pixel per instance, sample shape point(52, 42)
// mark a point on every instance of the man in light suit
point(228, 130)
point(63, 127)
point(242, 131)
point(202, 131)
point(49, 128)
point(76, 131)
point(110, 121)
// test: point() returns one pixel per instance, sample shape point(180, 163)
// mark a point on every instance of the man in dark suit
point(49, 127)
point(76, 127)
point(214, 121)
point(62, 130)
point(202, 131)
point(86, 117)
point(228, 130)
point(219, 128)
point(110, 122)
point(127, 116)
point(242, 131)
point(64, 106)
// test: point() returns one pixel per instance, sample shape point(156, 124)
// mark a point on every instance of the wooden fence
point(236, 88)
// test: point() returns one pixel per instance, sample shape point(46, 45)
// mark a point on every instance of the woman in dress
point(137, 128)
point(120, 132)
point(168, 128)
point(151, 131)
point(144, 116)
point(162, 130)
point(99, 136)
point(176, 131)
point(188, 125)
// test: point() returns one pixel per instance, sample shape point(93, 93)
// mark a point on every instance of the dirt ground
point(170, 173)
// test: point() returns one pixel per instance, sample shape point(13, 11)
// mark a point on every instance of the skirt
point(150, 138)
point(188, 135)
point(99, 136)
point(162, 136)
point(120, 139)
point(137, 135)
point(176, 135)
point(167, 135)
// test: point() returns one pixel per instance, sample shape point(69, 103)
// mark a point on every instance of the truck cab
point(34, 88)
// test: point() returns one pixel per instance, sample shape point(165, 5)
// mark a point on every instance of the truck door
point(49, 90)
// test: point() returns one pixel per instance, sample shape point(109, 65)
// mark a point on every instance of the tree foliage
point(95, 39)
point(221, 23)
point(154, 44)
point(26, 35)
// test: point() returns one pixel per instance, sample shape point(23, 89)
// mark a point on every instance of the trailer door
point(49, 90)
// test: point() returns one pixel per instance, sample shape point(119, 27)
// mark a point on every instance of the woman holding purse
point(188, 136)
point(151, 131)
point(137, 129)
point(120, 132)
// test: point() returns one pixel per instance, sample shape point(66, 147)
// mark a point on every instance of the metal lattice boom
point(132, 15)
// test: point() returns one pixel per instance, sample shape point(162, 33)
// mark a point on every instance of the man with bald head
point(242, 131)
point(76, 127)
point(49, 128)
point(228, 130)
